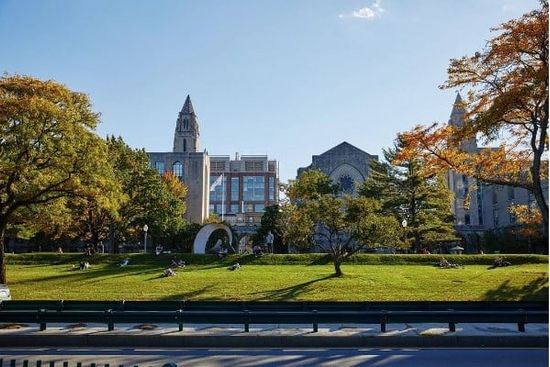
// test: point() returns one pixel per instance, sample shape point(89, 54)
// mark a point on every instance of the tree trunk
point(2, 256)
point(337, 270)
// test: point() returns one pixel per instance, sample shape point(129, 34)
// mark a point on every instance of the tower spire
point(188, 106)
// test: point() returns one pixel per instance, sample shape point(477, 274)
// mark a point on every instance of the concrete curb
point(271, 341)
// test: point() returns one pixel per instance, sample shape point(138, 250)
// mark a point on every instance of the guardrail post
point(247, 321)
point(383, 321)
point(179, 317)
point(41, 312)
point(315, 325)
point(452, 326)
point(110, 324)
point(521, 325)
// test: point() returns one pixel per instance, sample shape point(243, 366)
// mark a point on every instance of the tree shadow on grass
point(186, 296)
point(290, 293)
point(536, 290)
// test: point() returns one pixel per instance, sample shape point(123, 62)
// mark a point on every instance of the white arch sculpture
point(199, 245)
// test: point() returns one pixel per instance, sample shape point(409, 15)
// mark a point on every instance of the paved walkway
point(343, 335)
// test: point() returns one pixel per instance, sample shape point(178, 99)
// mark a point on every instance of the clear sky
point(287, 78)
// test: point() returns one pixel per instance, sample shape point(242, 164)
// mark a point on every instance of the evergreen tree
point(413, 195)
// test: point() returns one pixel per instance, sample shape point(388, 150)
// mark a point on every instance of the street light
point(145, 228)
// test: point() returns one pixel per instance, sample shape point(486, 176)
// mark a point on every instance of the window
point(513, 218)
point(346, 184)
point(234, 208)
point(495, 194)
point(495, 217)
point(253, 188)
point(217, 193)
point(159, 166)
point(467, 219)
point(511, 193)
point(211, 208)
point(185, 145)
point(177, 168)
point(257, 166)
point(271, 193)
point(234, 189)
point(217, 166)
point(249, 208)
point(259, 208)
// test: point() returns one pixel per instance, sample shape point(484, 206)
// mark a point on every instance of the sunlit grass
point(279, 282)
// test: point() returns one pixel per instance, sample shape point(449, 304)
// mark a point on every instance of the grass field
point(36, 278)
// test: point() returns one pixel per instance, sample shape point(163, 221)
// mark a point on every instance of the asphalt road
point(409, 357)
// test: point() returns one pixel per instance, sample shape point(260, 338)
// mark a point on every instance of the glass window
point(259, 208)
point(212, 208)
point(177, 168)
point(254, 188)
point(234, 189)
point(217, 188)
point(249, 208)
point(234, 208)
point(467, 219)
point(495, 217)
point(511, 193)
point(271, 188)
point(495, 195)
point(159, 166)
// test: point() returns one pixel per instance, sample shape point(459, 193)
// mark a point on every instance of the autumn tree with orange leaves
point(507, 103)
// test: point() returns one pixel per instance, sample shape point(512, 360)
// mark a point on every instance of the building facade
point(236, 190)
point(480, 207)
point(243, 187)
point(346, 165)
point(187, 163)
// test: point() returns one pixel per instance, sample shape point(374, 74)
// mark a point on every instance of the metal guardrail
point(247, 313)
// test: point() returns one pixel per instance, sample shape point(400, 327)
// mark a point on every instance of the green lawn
point(143, 281)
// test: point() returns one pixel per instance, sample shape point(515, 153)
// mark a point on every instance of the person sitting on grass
point(445, 264)
point(124, 262)
point(168, 272)
point(257, 250)
point(177, 263)
point(234, 267)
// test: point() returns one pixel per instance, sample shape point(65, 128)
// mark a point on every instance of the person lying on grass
point(234, 267)
point(168, 272)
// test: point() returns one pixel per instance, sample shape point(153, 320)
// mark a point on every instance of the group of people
point(246, 246)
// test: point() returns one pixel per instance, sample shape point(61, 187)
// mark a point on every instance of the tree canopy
point(507, 103)
point(48, 149)
point(410, 194)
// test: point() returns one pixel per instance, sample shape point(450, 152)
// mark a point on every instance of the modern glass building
point(241, 188)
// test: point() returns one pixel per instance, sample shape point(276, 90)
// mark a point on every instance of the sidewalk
point(330, 335)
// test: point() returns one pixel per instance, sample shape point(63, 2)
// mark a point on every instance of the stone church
point(187, 163)
point(345, 164)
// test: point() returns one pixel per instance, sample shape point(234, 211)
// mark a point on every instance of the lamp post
point(145, 228)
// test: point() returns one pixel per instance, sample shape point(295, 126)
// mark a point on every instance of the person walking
point(269, 242)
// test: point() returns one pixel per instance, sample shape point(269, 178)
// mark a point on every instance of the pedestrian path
point(535, 335)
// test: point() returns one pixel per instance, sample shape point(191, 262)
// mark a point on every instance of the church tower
point(457, 120)
point(186, 136)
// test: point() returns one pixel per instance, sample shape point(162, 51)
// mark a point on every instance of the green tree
point(48, 149)
point(340, 226)
point(411, 194)
point(158, 201)
point(311, 184)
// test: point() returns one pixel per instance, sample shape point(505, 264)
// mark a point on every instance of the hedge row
point(277, 259)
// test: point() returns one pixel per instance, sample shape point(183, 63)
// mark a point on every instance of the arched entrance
point(199, 245)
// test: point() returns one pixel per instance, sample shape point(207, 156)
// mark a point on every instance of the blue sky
point(287, 78)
